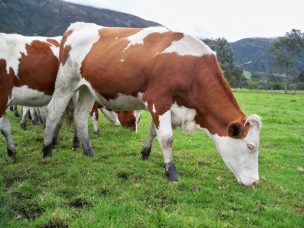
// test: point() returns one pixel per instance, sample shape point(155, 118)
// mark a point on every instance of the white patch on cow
point(184, 118)
point(95, 122)
point(122, 60)
point(189, 45)
point(81, 40)
point(153, 108)
point(12, 46)
point(26, 96)
point(111, 116)
point(239, 158)
point(122, 102)
point(164, 134)
point(137, 118)
point(138, 38)
point(116, 38)
point(54, 48)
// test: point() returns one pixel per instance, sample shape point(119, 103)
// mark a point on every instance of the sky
point(231, 19)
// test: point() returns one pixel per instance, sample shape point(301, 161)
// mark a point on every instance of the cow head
point(241, 155)
point(129, 119)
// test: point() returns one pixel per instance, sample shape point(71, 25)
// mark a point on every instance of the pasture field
point(117, 189)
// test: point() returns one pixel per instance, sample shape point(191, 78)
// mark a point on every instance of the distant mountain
point(52, 17)
point(252, 55)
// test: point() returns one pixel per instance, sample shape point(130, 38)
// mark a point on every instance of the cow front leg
point(25, 111)
point(82, 110)
point(164, 134)
point(146, 150)
point(16, 113)
point(33, 116)
point(5, 129)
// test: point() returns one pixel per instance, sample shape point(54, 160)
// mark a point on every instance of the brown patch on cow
point(53, 42)
point(38, 69)
point(6, 85)
point(95, 110)
point(127, 119)
point(64, 52)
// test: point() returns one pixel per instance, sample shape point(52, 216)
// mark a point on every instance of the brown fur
point(38, 69)
point(6, 85)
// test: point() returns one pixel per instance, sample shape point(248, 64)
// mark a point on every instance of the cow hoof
point(23, 126)
point(54, 142)
point(170, 172)
point(47, 151)
point(88, 152)
point(16, 114)
point(11, 153)
point(97, 133)
point(145, 153)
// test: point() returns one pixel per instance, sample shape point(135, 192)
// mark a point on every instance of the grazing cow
point(28, 69)
point(163, 72)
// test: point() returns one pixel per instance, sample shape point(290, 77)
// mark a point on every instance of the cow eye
point(251, 147)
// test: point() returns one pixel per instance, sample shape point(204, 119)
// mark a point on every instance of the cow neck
point(212, 98)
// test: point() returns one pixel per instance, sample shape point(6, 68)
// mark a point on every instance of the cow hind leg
point(55, 109)
point(82, 110)
point(75, 143)
point(33, 116)
point(146, 150)
point(16, 113)
point(5, 129)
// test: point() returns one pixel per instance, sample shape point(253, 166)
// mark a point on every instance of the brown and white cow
point(176, 77)
point(21, 81)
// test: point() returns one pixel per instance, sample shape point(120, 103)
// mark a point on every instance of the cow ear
point(235, 129)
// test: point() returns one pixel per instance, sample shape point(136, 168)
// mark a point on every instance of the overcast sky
point(232, 19)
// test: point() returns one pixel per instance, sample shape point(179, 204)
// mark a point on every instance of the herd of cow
point(174, 76)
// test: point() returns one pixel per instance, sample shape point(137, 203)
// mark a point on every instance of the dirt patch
point(196, 187)
point(79, 203)
point(55, 224)
point(11, 179)
point(123, 175)
point(28, 211)
point(104, 192)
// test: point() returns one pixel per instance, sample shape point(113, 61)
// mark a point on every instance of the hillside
point(252, 55)
point(52, 17)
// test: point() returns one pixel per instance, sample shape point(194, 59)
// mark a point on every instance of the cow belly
point(122, 102)
point(26, 96)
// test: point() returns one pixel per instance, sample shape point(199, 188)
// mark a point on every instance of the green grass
point(117, 189)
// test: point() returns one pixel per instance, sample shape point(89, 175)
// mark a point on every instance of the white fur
point(95, 122)
point(189, 45)
point(122, 102)
point(164, 133)
point(138, 38)
point(241, 159)
point(82, 31)
point(184, 117)
point(24, 95)
point(111, 116)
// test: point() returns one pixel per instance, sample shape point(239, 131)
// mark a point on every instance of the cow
point(28, 70)
point(160, 71)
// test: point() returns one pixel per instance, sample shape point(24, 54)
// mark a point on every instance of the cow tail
point(69, 113)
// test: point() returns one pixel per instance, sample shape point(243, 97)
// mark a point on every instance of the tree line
point(285, 51)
